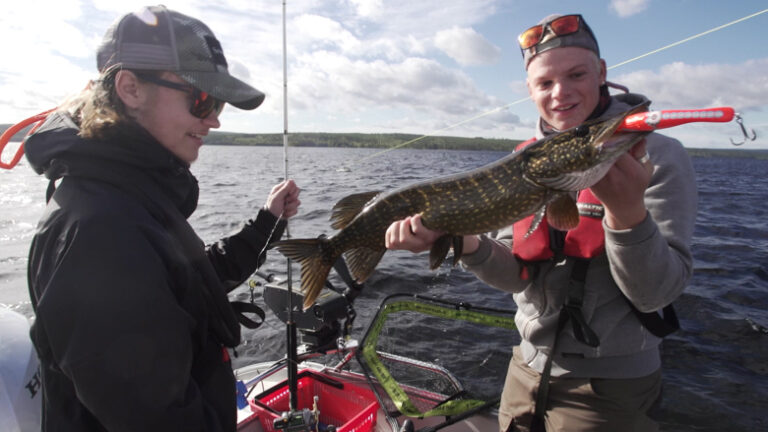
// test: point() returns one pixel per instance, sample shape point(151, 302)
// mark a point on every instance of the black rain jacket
point(132, 315)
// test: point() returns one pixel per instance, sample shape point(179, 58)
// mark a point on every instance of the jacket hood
point(57, 151)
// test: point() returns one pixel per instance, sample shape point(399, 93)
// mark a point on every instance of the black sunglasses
point(202, 105)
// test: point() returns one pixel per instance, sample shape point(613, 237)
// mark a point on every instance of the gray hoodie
point(649, 264)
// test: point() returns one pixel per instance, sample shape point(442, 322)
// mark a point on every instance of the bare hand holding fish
point(410, 234)
point(622, 189)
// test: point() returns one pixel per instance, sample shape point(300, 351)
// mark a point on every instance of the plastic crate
point(350, 408)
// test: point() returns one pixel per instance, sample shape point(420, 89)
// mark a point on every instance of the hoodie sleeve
point(652, 262)
point(494, 263)
point(236, 257)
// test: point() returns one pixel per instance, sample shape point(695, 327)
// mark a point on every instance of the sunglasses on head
point(202, 105)
point(561, 26)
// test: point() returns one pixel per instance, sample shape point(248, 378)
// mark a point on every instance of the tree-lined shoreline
point(412, 141)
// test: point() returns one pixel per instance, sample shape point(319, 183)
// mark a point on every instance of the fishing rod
point(748, 136)
point(290, 325)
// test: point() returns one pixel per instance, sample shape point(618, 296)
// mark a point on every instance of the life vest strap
point(660, 324)
point(581, 330)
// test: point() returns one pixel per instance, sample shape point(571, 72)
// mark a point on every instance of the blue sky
point(440, 67)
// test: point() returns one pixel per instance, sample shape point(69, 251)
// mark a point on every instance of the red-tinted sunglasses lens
point(530, 37)
point(560, 27)
point(565, 25)
point(204, 105)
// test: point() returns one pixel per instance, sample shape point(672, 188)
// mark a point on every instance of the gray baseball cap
point(156, 38)
point(582, 37)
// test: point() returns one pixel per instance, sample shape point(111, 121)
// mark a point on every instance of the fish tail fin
point(361, 261)
point(316, 259)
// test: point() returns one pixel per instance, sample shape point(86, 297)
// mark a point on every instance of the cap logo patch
point(146, 16)
point(217, 53)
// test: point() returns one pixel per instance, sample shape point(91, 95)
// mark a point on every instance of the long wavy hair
point(98, 110)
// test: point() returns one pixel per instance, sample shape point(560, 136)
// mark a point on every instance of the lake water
point(715, 367)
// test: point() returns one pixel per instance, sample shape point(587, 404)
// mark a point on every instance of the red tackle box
point(348, 407)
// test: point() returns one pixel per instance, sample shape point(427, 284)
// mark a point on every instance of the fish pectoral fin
point(348, 207)
point(562, 213)
point(361, 261)
point(439, 250)
point(536, 221)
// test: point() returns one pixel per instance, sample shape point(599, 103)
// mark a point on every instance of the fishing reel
point(298, 421)
point(320, 326)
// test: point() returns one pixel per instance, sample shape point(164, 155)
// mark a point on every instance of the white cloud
point(413, 91)
point(315, 32)
point(350, 85)
point(466, 46)
point(625, 8)
point(679, 85)
point(368, 8)
point(424, 17)
point(363, 64)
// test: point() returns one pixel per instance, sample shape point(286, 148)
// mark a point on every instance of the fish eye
point(581, 131)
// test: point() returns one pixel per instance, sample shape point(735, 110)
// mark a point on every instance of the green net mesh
point(432, 357)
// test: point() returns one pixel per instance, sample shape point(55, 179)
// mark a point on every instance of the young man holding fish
point(588, 299)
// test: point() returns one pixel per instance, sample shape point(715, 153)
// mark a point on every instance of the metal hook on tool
point(746, 133)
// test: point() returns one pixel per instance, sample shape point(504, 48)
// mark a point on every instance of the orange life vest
point(587, 240)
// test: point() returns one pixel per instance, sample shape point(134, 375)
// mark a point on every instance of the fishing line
point(483, 114)
point(494, 110)
point(688, 39)
point(263, 250)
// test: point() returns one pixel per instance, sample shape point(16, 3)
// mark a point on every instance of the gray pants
point(579, 404)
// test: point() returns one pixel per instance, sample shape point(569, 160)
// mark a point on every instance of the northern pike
point(540, 178)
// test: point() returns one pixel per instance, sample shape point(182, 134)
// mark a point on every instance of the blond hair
point(98, 110)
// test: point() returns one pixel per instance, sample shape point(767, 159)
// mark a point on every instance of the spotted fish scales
point(541, 176)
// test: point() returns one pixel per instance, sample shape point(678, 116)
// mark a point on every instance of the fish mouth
point(609, 140)
point(619, 142)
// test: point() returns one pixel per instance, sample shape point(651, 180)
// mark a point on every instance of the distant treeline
point(299, 139)
point(729, 152)
point(364, 140)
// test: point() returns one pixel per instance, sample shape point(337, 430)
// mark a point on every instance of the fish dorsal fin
point(361, 261)
point(562, 213)
point(348, 207)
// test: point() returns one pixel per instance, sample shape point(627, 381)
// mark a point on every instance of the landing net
point(436, 358)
